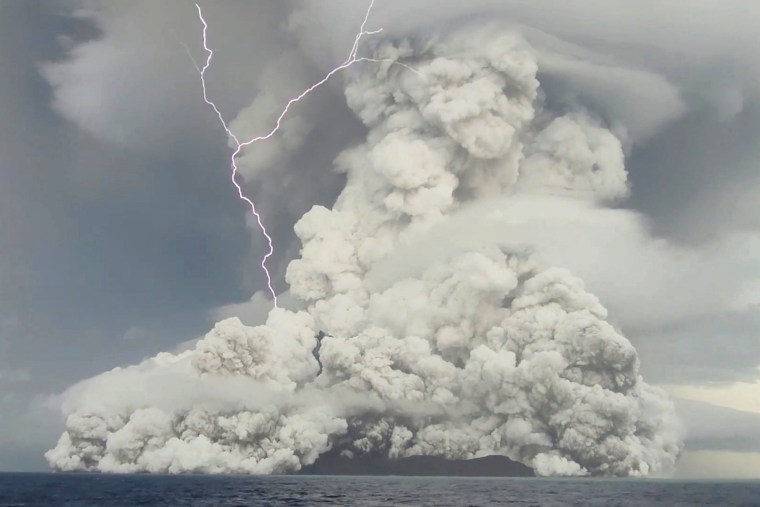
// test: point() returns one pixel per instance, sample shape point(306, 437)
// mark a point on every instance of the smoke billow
point(482, 350)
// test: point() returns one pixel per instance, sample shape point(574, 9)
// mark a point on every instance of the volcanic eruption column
point(406, 339)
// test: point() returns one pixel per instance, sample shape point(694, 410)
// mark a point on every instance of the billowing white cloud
point(487, 348)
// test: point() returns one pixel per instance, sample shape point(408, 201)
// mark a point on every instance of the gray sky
point(121, 235)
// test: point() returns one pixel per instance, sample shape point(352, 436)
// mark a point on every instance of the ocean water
point(39, 490)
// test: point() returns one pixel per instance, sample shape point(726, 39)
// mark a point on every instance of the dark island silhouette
point(332, 463)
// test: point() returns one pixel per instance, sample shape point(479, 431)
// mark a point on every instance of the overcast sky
point(121, 235)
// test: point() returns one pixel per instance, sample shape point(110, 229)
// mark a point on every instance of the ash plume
point(483, 350)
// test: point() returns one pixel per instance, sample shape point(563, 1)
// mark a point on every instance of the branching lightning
point(352, 58)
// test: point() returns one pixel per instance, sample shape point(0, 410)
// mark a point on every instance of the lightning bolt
point(239, 145)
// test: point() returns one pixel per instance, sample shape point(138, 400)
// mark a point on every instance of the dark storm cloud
point(728, 349)
point(720, 428)
point(97, 239)
point(698, 177)
point(102, 229)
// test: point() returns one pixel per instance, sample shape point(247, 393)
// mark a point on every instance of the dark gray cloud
point(698, 177)
point(720, 428)
point(97, 238)
point(716, 348)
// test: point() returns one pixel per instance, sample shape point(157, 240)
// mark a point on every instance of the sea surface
point(39, 490)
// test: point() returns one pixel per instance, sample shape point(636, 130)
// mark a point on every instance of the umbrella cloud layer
point(485, 349)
